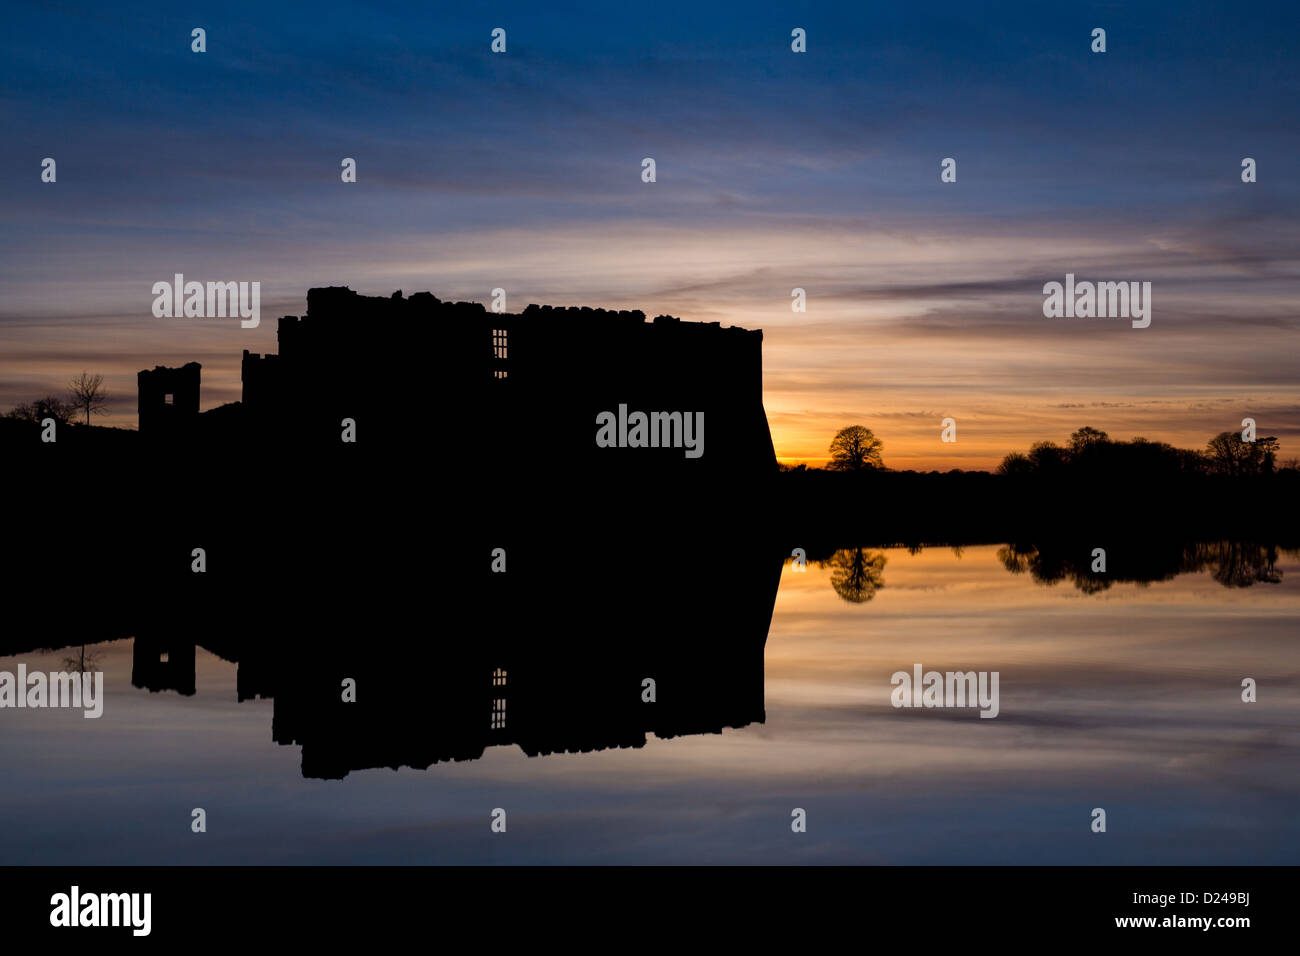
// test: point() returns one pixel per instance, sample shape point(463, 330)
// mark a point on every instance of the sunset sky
point(775, 170)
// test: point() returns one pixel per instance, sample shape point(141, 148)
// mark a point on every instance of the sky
point(775, 170)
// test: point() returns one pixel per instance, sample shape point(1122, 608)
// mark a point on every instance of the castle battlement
point(466, 376)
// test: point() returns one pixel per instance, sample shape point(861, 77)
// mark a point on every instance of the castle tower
point(169, 399)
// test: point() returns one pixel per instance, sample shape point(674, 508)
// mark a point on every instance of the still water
point(1126, 697)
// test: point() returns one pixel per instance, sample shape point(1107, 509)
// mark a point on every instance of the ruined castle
point(481, 387)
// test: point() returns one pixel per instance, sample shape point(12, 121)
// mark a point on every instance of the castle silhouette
point(400, 366)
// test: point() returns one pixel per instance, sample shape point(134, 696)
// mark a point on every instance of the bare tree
point(51, 406)
point(855, 449)
point(1229, 454)
point(88, 392)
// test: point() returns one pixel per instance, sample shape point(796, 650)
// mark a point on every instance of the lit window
point(169, 399)
point(499, 373)
point(498, 678)
point(499, 344)
point(498, 714)
point(162, 658)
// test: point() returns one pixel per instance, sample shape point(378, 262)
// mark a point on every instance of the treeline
point(1234, 488)
point(1088, 452)
point(86, 393)
point(1093, 452)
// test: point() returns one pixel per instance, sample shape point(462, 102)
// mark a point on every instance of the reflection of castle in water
point(552, 656)
point(419, 716)
point(644, 625)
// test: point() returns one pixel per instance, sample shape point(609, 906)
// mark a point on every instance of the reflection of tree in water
point(1016, 557)
point(1234, 564)
point(1046, 566)
point(82, 662)
point(1096, 583)
point(856, 574)
point(1237, 564)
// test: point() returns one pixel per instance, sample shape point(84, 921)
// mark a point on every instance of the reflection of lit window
point(500, 352)
point(498, 678)
point(498, 714)
point(169, 399)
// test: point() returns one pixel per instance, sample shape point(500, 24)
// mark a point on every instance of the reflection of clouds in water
point(1142, 682)
point(1128, 700)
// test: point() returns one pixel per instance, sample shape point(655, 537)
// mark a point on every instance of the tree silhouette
point(855, 449)
point(1085, 438)
point(1016, 463)
point(51, 406)
point(88, 392)
point(1092, 455)
point(1048, 458)
point(1232, 455)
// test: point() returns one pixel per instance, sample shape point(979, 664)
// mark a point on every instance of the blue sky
point(818, 170)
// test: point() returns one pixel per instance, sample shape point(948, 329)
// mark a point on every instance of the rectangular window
point(499, 344)
point(498, 714)
point(169, 399)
